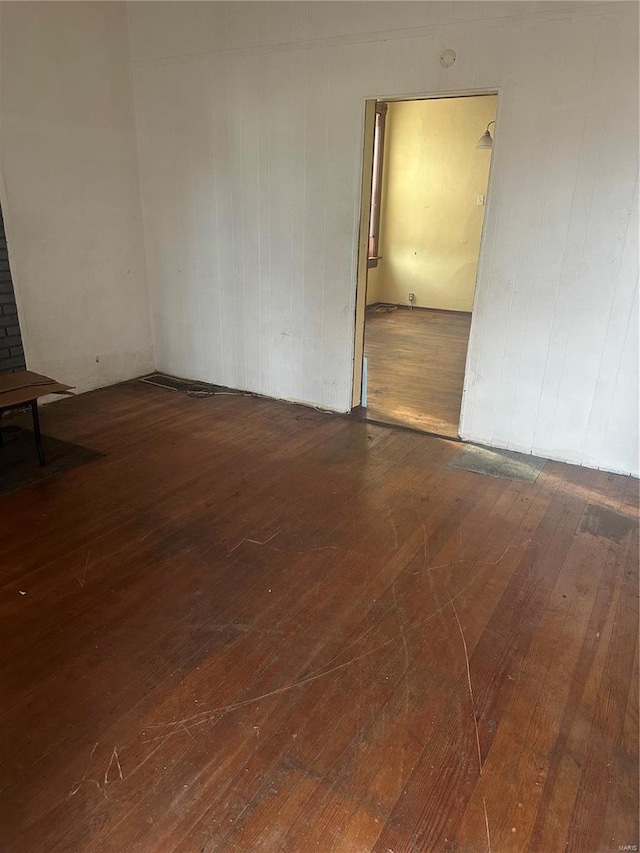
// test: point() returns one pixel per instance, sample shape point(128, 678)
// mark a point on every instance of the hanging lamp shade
point(486, 140)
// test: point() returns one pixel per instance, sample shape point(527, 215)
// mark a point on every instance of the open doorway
point(425, 185)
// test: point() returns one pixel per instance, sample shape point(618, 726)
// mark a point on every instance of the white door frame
point(363, 231)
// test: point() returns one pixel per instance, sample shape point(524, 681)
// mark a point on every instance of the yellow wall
point(430, 224)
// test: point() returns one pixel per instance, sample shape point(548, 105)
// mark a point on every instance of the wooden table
point(21, 389)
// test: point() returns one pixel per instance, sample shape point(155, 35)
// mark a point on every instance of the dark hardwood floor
point(415, 368)
point(256, 627)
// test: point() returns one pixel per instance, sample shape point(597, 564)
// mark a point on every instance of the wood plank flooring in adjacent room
point(415, 367)
point(252, 626)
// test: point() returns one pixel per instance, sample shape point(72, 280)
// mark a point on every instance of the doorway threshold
point(359, 413)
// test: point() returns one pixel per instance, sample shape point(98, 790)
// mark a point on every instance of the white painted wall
point(71, 197)
point(249, 131)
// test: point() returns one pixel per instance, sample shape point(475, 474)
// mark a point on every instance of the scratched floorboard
point(255, 627)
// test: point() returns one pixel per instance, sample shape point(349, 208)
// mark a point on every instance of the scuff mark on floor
point(473, 704)
point(82, 580)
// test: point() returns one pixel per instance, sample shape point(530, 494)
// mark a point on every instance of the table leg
point(36, 429)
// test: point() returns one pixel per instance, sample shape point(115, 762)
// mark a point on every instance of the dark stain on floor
point(600, 521)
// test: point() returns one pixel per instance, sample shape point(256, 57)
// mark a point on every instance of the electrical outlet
point(412, 297)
